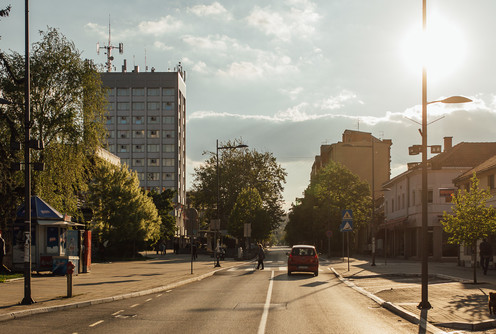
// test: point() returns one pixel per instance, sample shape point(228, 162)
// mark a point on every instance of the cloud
point(162, 46)
point(285, 25)
point(338, 101)
point(162, 26)
point(215, 9)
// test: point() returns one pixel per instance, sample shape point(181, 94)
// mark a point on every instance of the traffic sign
point(346, 226)
point(347, 215)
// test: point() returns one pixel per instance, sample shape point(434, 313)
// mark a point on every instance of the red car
point(303, 258)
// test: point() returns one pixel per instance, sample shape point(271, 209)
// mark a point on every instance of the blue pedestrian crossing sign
point(346, 221)
point(347, 215)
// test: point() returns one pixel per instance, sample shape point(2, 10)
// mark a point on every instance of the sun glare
point(442, 50)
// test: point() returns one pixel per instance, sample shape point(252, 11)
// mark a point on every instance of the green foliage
point(471, 219)
point(238, 169)
point(333, 189)
point(249, 209)
point(122, 213)
point(67, 108)
point(164, 203)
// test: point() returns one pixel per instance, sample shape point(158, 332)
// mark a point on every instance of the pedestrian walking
point(261, 257)
point(486, 254)
point(195, 251)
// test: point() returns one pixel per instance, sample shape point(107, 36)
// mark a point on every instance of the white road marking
point(159, 295)
point(168, 291)
point(116, 313)
point(263, 321)
point(133, 305)
point(96, 323)
point(146, 301)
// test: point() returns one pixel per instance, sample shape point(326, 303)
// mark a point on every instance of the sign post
point(347, 226)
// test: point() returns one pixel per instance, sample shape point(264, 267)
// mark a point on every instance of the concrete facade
point(400, 232)
point(146, 122)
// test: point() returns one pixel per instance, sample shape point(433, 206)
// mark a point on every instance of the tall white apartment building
point(147, 128)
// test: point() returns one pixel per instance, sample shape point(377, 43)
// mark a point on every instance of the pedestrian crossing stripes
point(270, 267)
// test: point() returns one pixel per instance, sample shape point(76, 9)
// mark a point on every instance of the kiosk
point(55, 240)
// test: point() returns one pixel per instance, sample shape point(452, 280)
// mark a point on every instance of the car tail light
point(290, 259)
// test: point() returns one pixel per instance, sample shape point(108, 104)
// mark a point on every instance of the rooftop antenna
point(108, 48)
point(146, 66)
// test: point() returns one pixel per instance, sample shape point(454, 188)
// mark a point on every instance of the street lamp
point(424, 303)
point(218, 189)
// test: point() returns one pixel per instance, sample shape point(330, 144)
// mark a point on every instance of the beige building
point(146, 124)
point(400, 233)
point(361, 153)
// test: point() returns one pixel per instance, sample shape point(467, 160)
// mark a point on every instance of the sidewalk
point(456, 302)
point(106, 282)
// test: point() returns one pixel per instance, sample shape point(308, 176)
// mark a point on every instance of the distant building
point(355, 152)
point(399, 234)
point(146, 124)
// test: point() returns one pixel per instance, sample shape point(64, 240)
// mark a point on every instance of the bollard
point(70, 271)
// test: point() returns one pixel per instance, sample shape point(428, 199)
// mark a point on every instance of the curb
point(25, 313)
point(398, 310)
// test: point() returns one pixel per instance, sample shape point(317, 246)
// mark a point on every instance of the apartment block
point(146, 124)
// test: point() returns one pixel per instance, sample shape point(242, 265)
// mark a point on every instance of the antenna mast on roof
point(108, 48)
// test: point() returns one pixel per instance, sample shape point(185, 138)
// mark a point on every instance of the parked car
point(303, 258)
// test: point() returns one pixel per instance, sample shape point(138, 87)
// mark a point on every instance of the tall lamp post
point(424, 303)
point(218, 189)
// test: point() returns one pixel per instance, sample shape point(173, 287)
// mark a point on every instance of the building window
point(139, 148)
point(152, 176)
point(490, 181)
point(169, 91)
point(153, 148)
point(111, 92)
point(139, 134)
point(153, 92)
point(168, 106)
point(413, 198)
point(153, 106)
point(430, 196)
point(392, 205)
point(138, 92)
point(122, 91)
point(141, 176)
point(122, 120)
point(110, 106)
point(153, 162)
point(138, 106)
point(168, 148)
point(153, 119)
point(123, 106)
point(111, 148)
point(153, 134)
point(169, 176)
point(109, 120)
point(123, 134)
point(138, 120)
point(111, 134)
point(169, 120)
point(123, 148)
point(168, 162)
point(168, 134)
point(137, 162)
point(402, 201)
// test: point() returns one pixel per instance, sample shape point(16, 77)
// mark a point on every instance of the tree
point(248, 209)
point(238, 169)
point(164, 203)
point(122, 213)
point(67, 112)
point(333, 189)
point(471, 219)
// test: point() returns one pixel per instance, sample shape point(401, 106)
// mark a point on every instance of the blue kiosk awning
point(40, 210)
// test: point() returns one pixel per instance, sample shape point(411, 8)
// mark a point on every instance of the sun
point(443, 49)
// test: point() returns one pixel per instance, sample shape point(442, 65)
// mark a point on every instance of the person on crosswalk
point(261, 257)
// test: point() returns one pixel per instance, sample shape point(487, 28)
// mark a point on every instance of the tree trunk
point(474, 254)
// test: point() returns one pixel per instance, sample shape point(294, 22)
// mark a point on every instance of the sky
point(287, 76)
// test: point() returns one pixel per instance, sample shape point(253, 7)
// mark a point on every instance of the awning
point(57, 223)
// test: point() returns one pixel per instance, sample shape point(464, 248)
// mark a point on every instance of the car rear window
point(303, 251)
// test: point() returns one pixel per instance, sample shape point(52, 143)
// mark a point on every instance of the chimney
point(124, 67)
point(448, 143)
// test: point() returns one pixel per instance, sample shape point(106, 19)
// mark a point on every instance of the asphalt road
point(238, 300)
